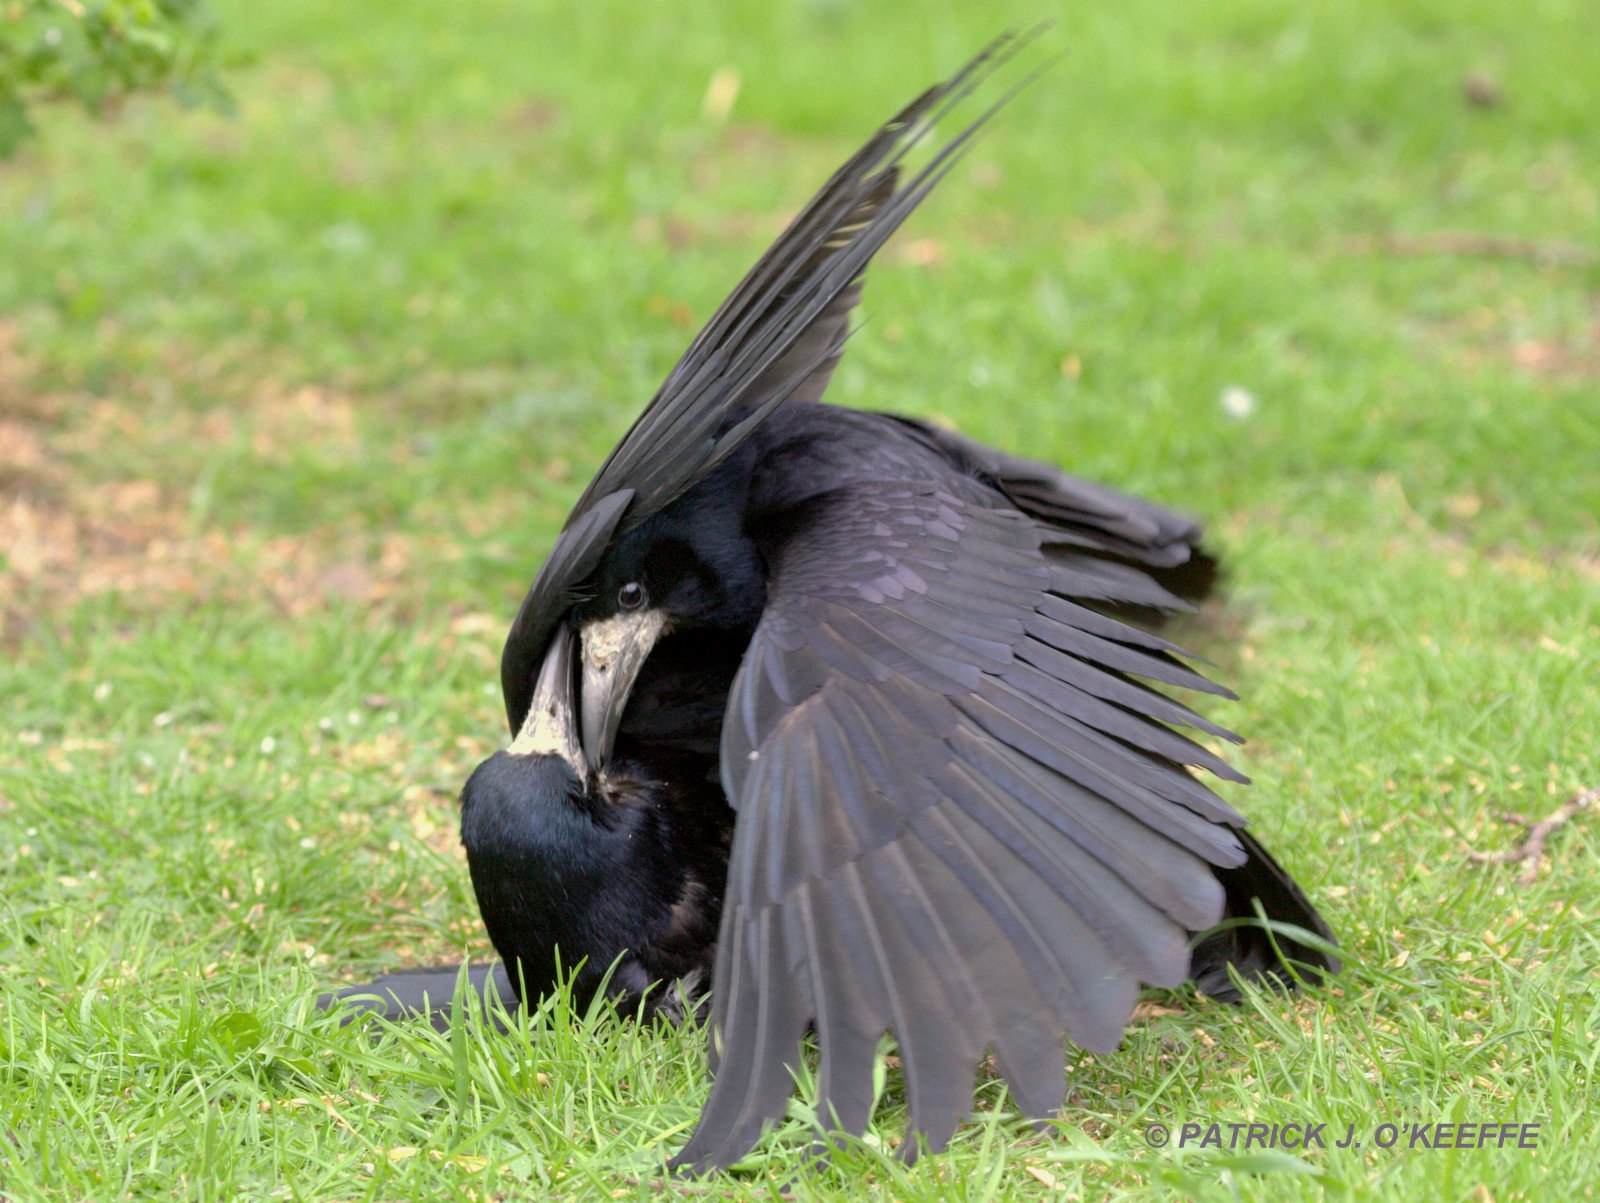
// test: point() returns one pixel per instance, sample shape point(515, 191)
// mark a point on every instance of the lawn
point(292, 403)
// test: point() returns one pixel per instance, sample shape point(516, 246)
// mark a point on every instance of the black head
point(513, 801)
point(541, 778)
point(690, 567)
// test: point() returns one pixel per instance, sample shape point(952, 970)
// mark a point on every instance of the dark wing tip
point(1259, 888)
point(793, 285)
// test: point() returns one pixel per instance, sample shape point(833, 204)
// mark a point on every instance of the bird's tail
point(415, 993)
point(1257, 952)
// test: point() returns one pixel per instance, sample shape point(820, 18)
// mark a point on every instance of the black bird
point(963, 813)
point(617, 873)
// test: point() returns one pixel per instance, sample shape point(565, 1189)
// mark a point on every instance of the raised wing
point(776, 338)
point(961, 817)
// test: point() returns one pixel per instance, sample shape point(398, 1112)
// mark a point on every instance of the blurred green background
point(293, 401)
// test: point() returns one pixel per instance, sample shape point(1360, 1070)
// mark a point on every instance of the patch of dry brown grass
point(65, 537)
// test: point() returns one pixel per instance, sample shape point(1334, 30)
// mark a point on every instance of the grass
point(292, 404)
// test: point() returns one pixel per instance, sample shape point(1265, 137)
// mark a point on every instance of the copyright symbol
point(1156, 1135)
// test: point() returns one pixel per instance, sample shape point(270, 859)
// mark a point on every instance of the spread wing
point(775, 339)
point(962, 817)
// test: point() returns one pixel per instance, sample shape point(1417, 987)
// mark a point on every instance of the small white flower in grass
point(268, 745)
point(164, 719)
point(1238, 403)
point(102, 691)
point(346, 238)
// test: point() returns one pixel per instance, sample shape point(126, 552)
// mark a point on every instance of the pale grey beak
point(614, 650)
point(550, 728)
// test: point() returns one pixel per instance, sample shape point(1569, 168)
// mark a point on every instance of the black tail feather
point(415, 993)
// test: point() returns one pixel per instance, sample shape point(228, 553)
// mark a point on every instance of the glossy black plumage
point(621, 882)
point(964, 808)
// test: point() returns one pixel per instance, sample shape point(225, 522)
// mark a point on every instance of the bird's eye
point(631, 596)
